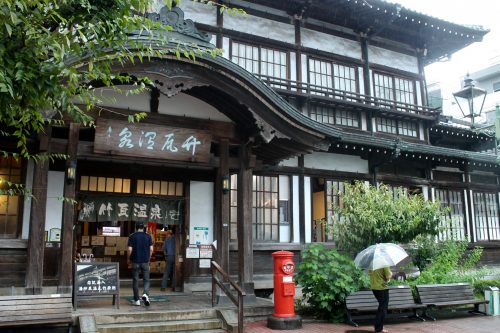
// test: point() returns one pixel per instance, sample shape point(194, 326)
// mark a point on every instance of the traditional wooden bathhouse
point(249, 149)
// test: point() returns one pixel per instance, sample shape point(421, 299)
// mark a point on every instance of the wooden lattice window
point(454, 223)
point(10, 172)
point(486, 216)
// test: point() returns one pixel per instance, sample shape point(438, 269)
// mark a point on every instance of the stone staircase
point(200, 321)
point(206, 320)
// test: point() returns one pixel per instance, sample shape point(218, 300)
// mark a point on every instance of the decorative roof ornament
point(183, 31)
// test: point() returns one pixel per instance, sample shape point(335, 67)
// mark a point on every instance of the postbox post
point(284, 317)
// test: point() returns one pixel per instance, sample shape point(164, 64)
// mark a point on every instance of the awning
point(130, 208)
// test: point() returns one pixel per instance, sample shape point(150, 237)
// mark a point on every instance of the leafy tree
point(327, 278)
point(369, 215)
point(53, 51)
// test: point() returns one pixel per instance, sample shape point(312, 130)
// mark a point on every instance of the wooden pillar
point(222, 200)
point(66, 259)
point(245, 239)
point(36, 241)
point(366, 77)
point(302, 209)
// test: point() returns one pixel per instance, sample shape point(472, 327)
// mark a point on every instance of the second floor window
point(394, 88)
point(260, 60)
point(326, 75)
point(398, 127)
point(328, 115)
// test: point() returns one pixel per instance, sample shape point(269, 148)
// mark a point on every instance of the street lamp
point(470, 99)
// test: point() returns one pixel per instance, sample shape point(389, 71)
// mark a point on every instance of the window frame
point(484, 207)
point(332, 77)
point(19, 176)
point(456, 209)
point(398, 126)
point(260, 61)
point(393, 89)
point(335, 115)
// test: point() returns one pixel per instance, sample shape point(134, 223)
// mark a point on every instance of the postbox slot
point(288, 289)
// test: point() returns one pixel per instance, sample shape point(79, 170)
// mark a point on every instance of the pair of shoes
point(162, 289)
point(138, 303)
point(145, 298)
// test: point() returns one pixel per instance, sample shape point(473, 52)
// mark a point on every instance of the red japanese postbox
point(284, 286)
point(284, 317)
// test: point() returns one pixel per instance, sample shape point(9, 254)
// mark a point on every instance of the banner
point(137, 209)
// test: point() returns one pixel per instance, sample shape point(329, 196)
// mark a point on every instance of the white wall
point(188, 106)
point(284, 195)
point(54, 206)
point(307, 208)
point(201, 210)
point(333, 44)
point(261, 27)
point(338, 162)
point(55, 192)
point(27, 202)
point(199, 12)
point(291, 162)
point(178, 105)
point(295, 209)
point(380, 56)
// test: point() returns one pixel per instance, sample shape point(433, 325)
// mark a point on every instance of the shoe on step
point(145, 298)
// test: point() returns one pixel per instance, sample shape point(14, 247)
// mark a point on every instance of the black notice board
point(96, 279)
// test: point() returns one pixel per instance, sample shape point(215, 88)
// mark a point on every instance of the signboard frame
point(115, 137)
point(111, 270)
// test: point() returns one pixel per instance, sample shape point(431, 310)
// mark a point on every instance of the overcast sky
point(485, 13)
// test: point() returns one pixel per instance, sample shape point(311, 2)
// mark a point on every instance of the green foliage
point(453, 264)
point(53, 53)
point(327, 278)
point(482, 285)
point(370, 215)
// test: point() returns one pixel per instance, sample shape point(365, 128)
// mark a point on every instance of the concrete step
point(155, 327)
point(155, 316)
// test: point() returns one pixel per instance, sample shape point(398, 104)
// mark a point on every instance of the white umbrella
point(380, 256)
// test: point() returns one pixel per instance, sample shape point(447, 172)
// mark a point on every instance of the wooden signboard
point(114, 137)
point(96, 279)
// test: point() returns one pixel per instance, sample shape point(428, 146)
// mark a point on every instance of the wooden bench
point(401, 302)
point(27, 310)
point(448, 295)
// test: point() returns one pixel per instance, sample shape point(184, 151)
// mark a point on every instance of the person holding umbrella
point(377, 259)
point(379, 279)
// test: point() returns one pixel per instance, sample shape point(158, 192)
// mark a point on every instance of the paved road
point(465, 324)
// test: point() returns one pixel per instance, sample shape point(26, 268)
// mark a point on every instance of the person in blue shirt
point(140, 248)
point(169, 250)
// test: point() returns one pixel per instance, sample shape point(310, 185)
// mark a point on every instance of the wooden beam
point(36, 240)
point(223, 207)
point(245, 238)
point(66, 259)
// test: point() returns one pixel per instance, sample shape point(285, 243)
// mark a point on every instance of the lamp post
point(470, 99)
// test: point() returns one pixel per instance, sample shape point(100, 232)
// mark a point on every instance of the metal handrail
point(330, 92)
point(236, 301)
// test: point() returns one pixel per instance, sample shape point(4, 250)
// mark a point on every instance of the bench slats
point(23, 310)
point(448, 295)
point(400, 300)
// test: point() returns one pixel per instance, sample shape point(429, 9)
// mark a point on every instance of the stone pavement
point(463, 324)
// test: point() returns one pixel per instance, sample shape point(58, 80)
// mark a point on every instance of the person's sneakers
point(145, 298)
point(138, 302)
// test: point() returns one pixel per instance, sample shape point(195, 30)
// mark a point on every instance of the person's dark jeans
point(136, 269)
point(169, 273)
point(382, 297)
